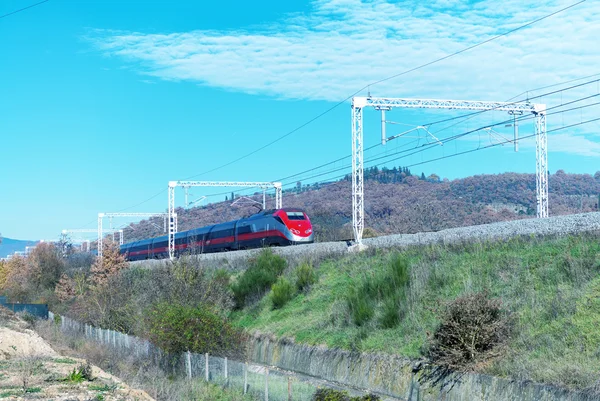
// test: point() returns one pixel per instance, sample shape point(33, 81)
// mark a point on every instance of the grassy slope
point(552, 286)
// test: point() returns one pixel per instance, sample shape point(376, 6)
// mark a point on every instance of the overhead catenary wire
point(475, 149)
point(23, 9)
point(519, 119)
point(424, 147)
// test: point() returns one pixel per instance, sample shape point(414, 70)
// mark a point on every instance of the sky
point(103, 102)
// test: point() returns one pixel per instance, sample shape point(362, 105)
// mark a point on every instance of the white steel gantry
point(111, 215)
point(92, 230)
point(187, 184)
point(383, 104)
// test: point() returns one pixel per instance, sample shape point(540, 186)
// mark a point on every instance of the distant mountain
point(396, 201)
point(10, 246)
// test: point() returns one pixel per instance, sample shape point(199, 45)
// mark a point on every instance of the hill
point(396, 201)
point(9, 246)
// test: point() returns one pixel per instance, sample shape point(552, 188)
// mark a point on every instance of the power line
point(424, 147)
point(482, 148)
point(384, 80)
point(23, 9)
point(527, 117)
point(465, 116)
point(360, 90)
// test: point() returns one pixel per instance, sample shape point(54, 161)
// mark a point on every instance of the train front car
point(298, 228)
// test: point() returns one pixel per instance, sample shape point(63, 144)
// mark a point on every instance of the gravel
point(551, 226)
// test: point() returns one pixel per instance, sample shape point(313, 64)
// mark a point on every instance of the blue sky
point(103, 102)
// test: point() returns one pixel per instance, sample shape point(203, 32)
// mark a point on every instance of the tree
point(16, 283)
point(423, 176)
point(46, 265)
point(65, 245)
point(65, 288)
point(596, 177)
point(111, 263)
point(434, 178)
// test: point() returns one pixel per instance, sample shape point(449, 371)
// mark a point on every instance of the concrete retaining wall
point(398, 377)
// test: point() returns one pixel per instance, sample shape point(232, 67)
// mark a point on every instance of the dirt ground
point(31, 370)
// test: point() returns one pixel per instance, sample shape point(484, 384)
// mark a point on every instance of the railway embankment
point(551, 226)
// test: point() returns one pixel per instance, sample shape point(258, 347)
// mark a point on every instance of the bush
point(177, 328)
point(259, 277)
point(392, 313)
point(281, 292)
point(328, 394)
point(360, 306)
point(83, 372)
point(305, 276)
point(472, 329)
point(399, 270)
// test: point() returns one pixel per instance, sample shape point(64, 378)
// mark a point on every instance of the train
point(276, 227)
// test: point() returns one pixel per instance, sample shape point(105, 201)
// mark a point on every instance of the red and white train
point(288, 226)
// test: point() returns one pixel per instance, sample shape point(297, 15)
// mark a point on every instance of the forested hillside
point(396, 201)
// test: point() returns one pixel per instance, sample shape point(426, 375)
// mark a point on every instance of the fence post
point(225, 370)
point(289, 388)
point(188, 363)
point(267, 384)
point(245, 377)
point(206, 369)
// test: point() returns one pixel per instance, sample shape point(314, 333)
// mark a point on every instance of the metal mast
point(383, 104)
point(187, 184)
point(110, 215)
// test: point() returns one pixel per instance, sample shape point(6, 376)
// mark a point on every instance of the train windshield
point(296, 216)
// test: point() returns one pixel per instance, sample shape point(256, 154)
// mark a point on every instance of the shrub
point(391, 315)
point(328, 394)
point(360, 306)
point(472, 329)
point(259, 277)
point(27, 317)
point(83, 372)
point(305, 276)
point(398, 269)
point(177, 328)
point(281, 292)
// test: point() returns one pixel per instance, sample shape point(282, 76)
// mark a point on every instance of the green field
point(550, 286)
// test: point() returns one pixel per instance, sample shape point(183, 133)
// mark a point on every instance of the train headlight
point(308, 231)
point(295, 231)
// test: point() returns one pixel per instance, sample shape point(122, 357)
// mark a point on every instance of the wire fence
point(261, 382)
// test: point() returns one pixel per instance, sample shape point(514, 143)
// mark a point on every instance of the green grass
point(65, 360)
point(102, 387)
point(551, 286)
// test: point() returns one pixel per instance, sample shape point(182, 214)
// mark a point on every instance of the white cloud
point(343, 45)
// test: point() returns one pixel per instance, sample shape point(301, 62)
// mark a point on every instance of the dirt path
point(31, 370)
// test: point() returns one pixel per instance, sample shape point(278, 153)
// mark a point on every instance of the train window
point(244, 230)
point(296, 216)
